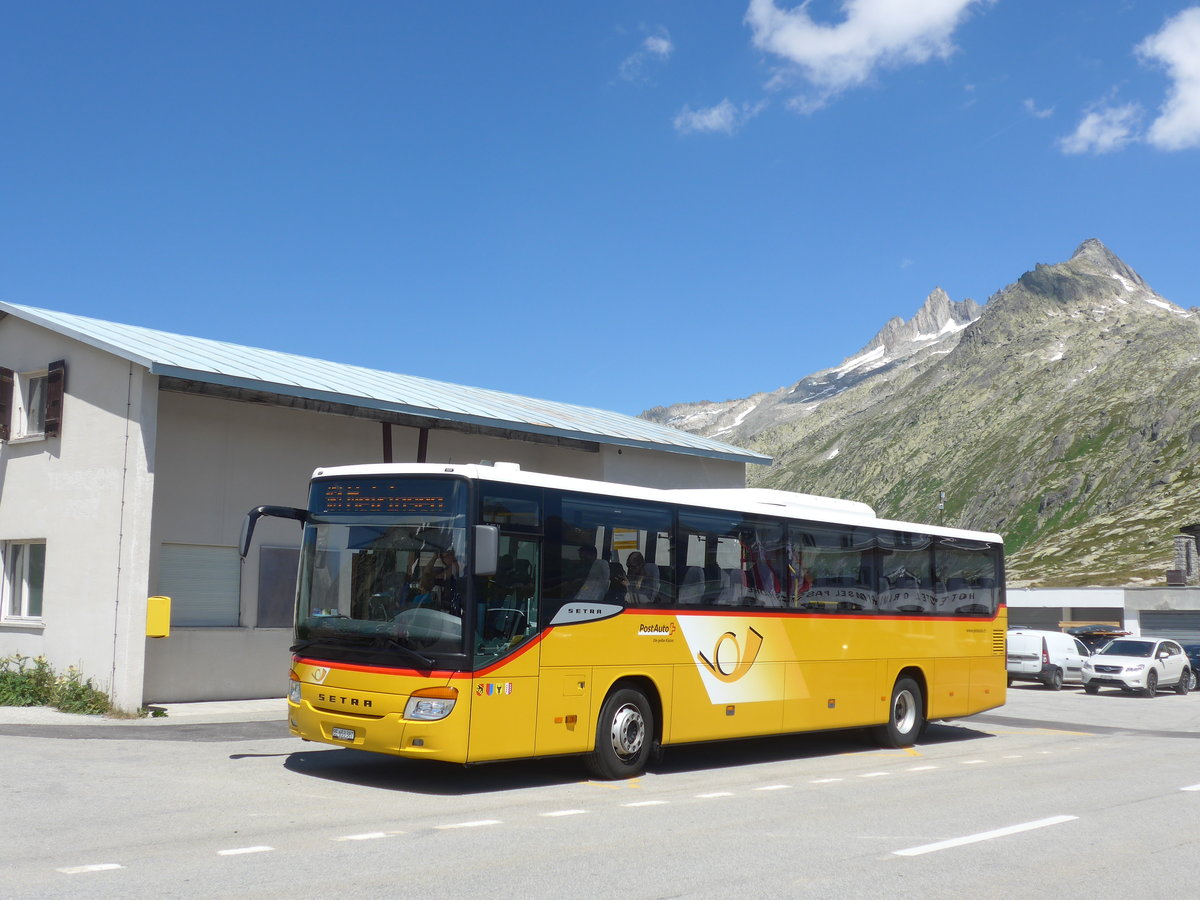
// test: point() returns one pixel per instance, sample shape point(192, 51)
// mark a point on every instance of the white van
point(1050, 657)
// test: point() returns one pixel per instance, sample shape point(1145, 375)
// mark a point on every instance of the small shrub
point(32, 682)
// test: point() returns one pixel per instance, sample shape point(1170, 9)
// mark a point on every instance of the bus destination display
point(391, 497)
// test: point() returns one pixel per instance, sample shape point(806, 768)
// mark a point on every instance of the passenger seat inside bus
point(596, 585)
point(691, 591)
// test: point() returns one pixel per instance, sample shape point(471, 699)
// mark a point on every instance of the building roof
point(254, 369)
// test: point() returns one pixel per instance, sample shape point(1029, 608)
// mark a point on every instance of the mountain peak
point(1093, 248)
point(937, 316)
point(1093, 258)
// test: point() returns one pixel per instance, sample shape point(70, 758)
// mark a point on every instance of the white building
point(129, 458)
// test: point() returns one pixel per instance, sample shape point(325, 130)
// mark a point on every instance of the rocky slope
point(935, 329)
point(1064, 414)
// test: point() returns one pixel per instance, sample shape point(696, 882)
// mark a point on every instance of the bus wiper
point(300, 645)
point(421, 658)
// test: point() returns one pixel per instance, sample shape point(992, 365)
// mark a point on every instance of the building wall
point(87, 494)
point(1048, 607)
point(217, 459)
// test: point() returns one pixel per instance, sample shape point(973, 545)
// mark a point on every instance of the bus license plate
point(343, 734)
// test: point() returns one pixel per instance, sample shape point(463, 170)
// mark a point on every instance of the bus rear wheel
point(624, 736)
point(906, 716)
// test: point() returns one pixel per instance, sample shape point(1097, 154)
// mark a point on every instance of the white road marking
point(646, 803)
point(874, 774)
point(564, 812)
point(240, 850)
point(99, 867)
point(368, 836)
point(973, 762)
point(479, 823)
point(984, 836)
point(773, 787)
point(824, 780)
point(921, 768)
point(714, 794)
point(1194, 787)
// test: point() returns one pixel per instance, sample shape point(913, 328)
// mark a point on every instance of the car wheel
point(1194, 682)
point(906, 716)
point(1090, 688)
point(1054, 682)
point(624, 736)
point(1151, 684)
point(1185, 682)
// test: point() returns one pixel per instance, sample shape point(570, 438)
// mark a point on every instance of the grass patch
point(26, 681)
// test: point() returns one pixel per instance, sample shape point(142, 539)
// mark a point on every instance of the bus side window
point(627, 542)
point(732, 560)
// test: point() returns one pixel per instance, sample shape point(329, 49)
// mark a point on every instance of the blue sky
point(616, 204)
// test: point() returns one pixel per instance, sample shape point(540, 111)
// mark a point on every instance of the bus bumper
point(385, 732)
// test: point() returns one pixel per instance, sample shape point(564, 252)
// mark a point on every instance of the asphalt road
point(1056, 794)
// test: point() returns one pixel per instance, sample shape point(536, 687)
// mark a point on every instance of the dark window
point(277, 586)
point(906, 570)
point(610, 551)
point(966, 583)
point(729, 559)
point(834, 568)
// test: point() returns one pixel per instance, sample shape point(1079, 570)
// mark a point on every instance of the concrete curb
point(176, 714)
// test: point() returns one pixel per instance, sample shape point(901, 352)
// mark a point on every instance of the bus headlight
point(293, 689)
point(431, 704)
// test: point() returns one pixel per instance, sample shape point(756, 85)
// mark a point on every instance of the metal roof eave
point(288, 390)
point(139, 350)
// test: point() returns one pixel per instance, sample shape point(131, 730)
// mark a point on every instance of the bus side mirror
point(487, 549)
point(279, 512)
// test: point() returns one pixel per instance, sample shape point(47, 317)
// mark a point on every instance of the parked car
point(1050, 657)
point(1139, 664)
point(1193, 655)
point(1096, 636)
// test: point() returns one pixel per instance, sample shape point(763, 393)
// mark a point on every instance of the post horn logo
point(318, 675)
point(730, 666)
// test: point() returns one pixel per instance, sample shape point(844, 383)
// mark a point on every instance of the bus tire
point(906, 716)
point(624, 736)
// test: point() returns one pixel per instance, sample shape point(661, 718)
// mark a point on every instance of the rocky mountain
point(1064, 414)
point(934, 330)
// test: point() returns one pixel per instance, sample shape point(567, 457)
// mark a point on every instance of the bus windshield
point(387, 589)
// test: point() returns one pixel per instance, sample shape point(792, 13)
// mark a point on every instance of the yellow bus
point(471, 613)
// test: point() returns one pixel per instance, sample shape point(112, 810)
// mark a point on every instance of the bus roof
point(760, 501)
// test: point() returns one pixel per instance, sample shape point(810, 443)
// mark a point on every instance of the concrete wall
point(87, 494)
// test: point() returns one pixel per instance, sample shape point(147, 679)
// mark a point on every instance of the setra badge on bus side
point(571, 613)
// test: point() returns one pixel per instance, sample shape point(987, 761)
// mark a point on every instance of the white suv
point(1139, 664)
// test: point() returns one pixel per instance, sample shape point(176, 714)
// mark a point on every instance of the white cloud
point(873, 34)
point(724, 118)
point(1103, 130)
point(1033, 110)
point(1177, 48)
point(656, 47)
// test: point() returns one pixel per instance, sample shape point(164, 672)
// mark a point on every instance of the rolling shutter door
point(1178, 624)
point(204, 584)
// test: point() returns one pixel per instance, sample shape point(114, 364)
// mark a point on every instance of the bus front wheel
point(624, 736)
point(906, 716)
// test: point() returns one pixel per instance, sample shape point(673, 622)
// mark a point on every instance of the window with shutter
point(56, 386)
point(6, 405)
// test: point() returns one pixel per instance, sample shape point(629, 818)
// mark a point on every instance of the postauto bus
point(470, 613)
